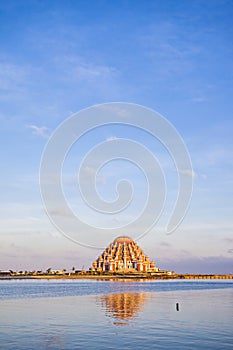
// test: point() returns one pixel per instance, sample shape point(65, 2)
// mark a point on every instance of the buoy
point(177, 307)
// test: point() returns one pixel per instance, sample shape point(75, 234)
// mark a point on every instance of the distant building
point(124, 254)
point(5, 273)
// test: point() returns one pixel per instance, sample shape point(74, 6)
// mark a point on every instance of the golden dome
point(123, 239)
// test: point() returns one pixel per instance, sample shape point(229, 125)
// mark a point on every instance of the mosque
point(123, 254)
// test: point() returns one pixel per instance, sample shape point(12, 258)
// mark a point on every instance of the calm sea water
point(84, 314)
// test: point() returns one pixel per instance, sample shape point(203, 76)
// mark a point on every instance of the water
point(84, 314)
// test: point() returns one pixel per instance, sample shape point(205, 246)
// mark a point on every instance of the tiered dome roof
point(123, 254)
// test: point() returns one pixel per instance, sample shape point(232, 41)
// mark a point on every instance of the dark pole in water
point(177, 307)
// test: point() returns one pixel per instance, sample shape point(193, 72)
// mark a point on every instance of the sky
point(59, 57)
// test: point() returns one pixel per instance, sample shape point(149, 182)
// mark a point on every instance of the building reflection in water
point(122, 307)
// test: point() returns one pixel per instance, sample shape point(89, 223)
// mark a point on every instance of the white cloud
point(79, 69)
point(204, 176)
point(38, 130)
point(11, 76)
point(199, 99)
point(90, 171)
point(93, 172)
point(92, 71)
point(33, 218)
point(60, 212)
point(219, 227)
point(111, 138)
point(188, 172)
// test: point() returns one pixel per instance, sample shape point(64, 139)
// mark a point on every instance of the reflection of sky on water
point(58, 288)
point(91, 322)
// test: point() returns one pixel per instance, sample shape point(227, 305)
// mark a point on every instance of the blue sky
point(58, 57)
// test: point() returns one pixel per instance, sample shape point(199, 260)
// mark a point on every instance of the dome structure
point(123, 254)
point(123, 239)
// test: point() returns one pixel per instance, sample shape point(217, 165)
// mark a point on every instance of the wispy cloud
point(93, 172)
point(90, 171)
point(79, 69)
point(199, 99)
point(60, 212)
point(11, 76)
point(204, 176)
point(219, 227)
point(91, 71)
point(192, 264)
point(165, 244)
point(39, 130)
point(188, 172)
point(164, 42)
point(215, 156)
point(111, 138)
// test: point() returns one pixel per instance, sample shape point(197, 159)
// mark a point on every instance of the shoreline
point(120, 277)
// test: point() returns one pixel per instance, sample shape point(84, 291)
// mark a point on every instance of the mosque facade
point(124, 254)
